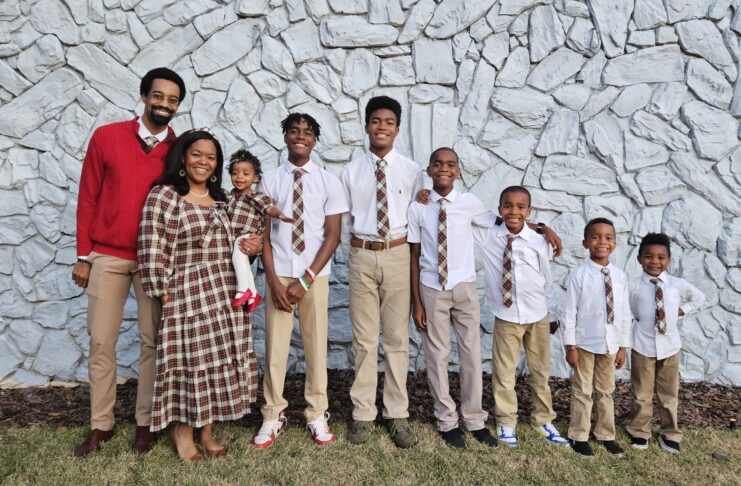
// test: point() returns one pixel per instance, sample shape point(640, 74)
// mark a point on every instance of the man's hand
point(423, 196)
point(278, 291)
point(620, 358)
point(295, 291)
point(553, 239)
point(572, 356)
point(81, 274)
point(420, 319)
point(250, 245)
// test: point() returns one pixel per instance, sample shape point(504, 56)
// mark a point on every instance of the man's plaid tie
point(609, 299)
point(442, 244)
point(298, 212)
point(507, 272)
point(382, 202)
point(660, 320)
point(149, 143)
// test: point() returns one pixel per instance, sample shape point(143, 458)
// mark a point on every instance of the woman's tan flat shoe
point(173, 434)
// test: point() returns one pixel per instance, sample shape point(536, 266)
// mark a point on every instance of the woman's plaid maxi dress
point(206, 365)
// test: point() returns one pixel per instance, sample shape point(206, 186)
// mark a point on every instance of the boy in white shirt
point(657, 300)
point(296, 258)
point(443, 282)
point(596, 320)
point(519, 291)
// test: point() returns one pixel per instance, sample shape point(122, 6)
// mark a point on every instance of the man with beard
point(122, 162)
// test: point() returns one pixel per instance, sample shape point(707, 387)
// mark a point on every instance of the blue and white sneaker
point(507, 436)
point(550, 433)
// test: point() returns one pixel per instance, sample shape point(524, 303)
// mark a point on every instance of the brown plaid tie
point(298, 212)
point(507, 272)
point(660, 320)
point(149, 143)
point(382, 202)
point(442, 244)
point(610, 306)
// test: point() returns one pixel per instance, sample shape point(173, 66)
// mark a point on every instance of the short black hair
point(161, 73)
point(519, 189)
point(288, 122)
point(175, 161)
point(655, 239)
point(595, 221)
point(383, 102)
point(243, 155)
point(440, 149)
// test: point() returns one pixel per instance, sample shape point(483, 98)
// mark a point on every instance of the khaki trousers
point(508, 338)
point(646, 372)
point(379, 306)
point(107, 291)
point(312, 319)
point(458, 306)
point(593, 371)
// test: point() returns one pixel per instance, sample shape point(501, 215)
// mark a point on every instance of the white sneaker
point(269, 431)
point(320, 430)
point(507, 436)
point(550, 433)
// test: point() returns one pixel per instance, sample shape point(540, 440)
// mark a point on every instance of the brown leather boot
point(144, 440)
point(92, 443)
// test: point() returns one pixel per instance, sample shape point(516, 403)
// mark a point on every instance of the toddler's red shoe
point(241, 298)
point(253, 305)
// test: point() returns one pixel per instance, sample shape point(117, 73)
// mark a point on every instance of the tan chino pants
point(593, 371)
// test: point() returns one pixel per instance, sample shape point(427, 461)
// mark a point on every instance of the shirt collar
point(144, 132)
point(389, 158)
point(646, 277)
point(309, 167)
point(435, 197)
point(596, 267)
point(525, 234)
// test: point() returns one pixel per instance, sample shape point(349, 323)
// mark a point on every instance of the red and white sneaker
point(269, 431)
point(320, 430)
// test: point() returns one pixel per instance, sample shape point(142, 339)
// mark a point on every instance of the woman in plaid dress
point(206, 366)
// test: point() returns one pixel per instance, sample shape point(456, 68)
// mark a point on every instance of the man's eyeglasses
point(159, 97)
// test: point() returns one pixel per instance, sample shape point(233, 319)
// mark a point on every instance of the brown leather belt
point(376, 245)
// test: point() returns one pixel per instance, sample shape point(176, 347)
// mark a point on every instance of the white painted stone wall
point(626, 109)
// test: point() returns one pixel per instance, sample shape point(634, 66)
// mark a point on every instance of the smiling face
point(600, 242)
point(200, 162)
point(654, 259)
point(243, 176)
point(160, 104)
point(443, 170)
point(382, 129)
point(300, 140)
point(514, 208)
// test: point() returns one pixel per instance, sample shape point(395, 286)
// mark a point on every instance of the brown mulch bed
point(700, 404)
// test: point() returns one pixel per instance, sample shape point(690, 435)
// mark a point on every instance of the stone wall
point(626, 109)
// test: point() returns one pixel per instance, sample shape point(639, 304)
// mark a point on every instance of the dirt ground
point(700, 404)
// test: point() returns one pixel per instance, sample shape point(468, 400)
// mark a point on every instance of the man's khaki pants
point(646, 372)
point(107, 291)
point(508, 338)
point(458, 306)
point(312, 319)
point(379, 305)
point(593, 371)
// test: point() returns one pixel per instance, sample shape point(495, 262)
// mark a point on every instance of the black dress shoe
point(144, 440)
point(612, 447)
point(93, 441)
point(638, 443)
point(668, 445)
point(483, 436)
point(582, 448)
point(454, 438)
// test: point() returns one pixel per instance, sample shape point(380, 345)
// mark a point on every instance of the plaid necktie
point(149, 143)
point(298, 212)
point(660, 320)
point(610, 307)
point(382, 202)
point(507, 272)
point(442, 244)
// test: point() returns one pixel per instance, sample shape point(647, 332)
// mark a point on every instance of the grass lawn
point(43, 455)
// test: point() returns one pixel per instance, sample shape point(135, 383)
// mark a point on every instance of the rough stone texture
point(601, 108)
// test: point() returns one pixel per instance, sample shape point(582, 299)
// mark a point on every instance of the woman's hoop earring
point(214, 178)
point(181, 172)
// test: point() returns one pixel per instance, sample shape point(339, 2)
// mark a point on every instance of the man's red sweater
point(116, 177)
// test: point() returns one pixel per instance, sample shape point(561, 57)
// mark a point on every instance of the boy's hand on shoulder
point(572, 356)
point(620, 358)
point(420, 318)
point(554, 240)
point(423, 196)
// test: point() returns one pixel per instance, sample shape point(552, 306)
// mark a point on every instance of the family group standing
point(152, 213)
